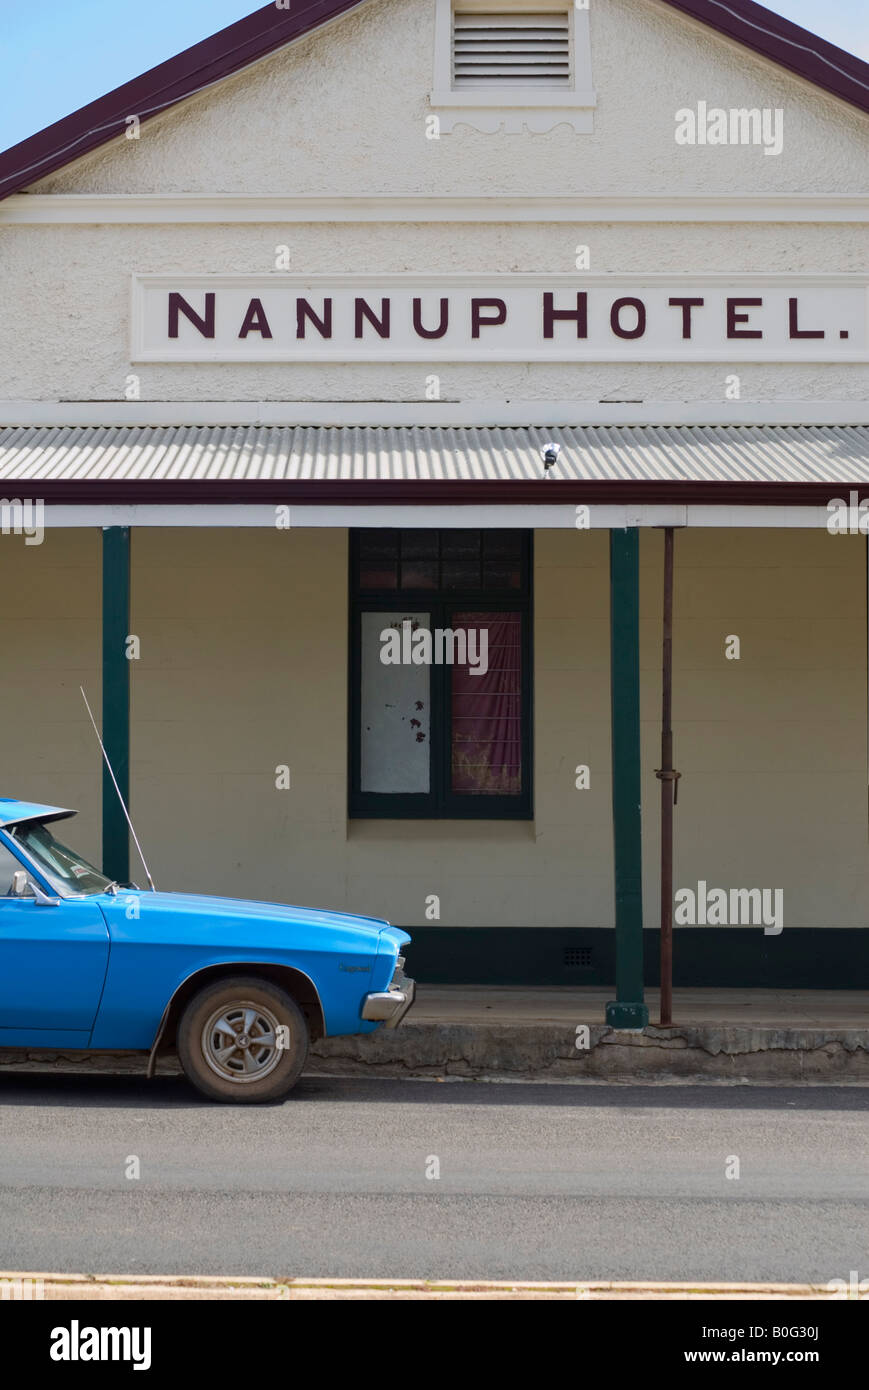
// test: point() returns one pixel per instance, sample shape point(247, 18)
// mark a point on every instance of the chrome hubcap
point(240, 1041)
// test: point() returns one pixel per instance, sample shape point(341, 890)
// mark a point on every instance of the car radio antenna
point(118, 790)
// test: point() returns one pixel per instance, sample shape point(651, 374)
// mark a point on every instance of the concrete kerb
point(700, 1053)
point(706, 1052)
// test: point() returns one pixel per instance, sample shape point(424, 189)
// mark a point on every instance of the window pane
point(419, 545)
point(471, 745)
point(460, 545)
point(486, 753)
point(450, 561)
point(9, 865)
point(419, 574)
point(377, 576)
point(501, 543)
point(378, 559)
point(378, 545)
point(460, 574)
point(395, 706)
point(502, 574)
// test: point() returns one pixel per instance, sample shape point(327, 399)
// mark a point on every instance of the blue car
point(240, 989)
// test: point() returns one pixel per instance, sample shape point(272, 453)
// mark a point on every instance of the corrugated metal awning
point(230, 462)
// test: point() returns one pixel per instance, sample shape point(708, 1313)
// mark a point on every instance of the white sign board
point(504, 318)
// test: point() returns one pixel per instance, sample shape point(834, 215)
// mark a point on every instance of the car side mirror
point(19, 884)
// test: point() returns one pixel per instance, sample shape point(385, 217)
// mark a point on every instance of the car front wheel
point(243, 1040)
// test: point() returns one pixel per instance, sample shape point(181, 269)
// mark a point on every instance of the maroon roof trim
point(191, 492)
point(269, 28)
point(146, 96)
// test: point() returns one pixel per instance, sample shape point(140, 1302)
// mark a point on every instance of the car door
point(53, 964)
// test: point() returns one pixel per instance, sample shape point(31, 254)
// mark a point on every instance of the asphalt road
point(536, 1181)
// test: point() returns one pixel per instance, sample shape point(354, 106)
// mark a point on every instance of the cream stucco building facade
point(325, 154)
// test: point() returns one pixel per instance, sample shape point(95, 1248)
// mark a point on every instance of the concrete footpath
point(550, 1034)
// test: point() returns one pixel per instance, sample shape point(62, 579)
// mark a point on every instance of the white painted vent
point(511, 50)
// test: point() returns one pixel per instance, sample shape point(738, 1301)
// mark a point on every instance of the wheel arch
point(297, 984)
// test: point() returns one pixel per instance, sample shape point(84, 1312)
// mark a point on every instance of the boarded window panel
point(395, 711)
point(486, 753)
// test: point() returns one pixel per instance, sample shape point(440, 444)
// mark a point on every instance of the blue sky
point(56, 55)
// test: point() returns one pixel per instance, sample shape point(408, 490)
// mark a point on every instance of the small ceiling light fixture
point(549, 454)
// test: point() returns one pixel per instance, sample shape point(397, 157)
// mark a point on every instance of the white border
point(560, 351)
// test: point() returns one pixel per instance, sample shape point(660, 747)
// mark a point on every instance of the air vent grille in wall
point(512, 50)
point(578, 957)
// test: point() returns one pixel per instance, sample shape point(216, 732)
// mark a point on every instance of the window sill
point(424, 831)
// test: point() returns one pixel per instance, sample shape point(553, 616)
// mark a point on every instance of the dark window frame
point(440, 802)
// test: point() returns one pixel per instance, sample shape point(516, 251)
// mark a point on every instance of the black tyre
point(243, 1040)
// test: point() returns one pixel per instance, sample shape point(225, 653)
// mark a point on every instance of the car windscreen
point(64, 868)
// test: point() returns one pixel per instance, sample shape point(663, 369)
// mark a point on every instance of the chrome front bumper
point(390, 1006)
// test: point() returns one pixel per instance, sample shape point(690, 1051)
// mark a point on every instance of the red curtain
point(487, 710)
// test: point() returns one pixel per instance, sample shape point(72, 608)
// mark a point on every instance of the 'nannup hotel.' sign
point(467, 317)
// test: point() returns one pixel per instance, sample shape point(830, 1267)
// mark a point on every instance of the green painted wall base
point(727, 957)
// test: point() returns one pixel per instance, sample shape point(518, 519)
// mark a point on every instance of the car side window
point(8, 866)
